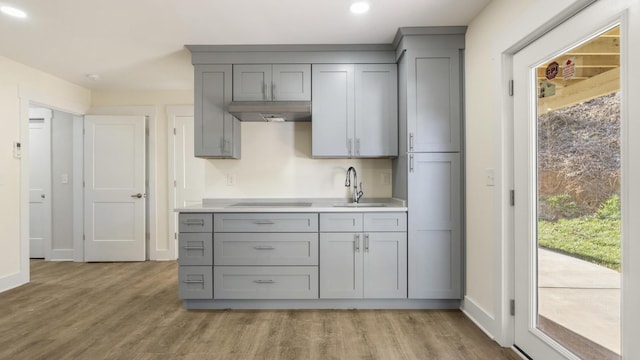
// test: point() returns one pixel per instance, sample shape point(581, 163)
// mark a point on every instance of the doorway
point(567, 175)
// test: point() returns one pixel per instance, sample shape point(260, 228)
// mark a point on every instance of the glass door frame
point(567, 35)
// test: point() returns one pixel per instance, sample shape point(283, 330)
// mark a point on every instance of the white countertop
point(296, 205)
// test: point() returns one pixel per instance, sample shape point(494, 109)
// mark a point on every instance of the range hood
point(275, 111)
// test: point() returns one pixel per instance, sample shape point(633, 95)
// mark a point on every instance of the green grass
point(594, 238)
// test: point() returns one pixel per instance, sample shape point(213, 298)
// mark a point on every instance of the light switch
point(231, 179)
point(490, 175)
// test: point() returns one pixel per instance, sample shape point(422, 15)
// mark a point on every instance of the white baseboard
point(485, 321)
point(61, 255)
point(13, 280)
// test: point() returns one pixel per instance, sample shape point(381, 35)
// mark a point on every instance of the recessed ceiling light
point(11, 11)
point(359, 7)
point(94, 77)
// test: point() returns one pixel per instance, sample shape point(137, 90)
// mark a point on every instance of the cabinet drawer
point(192, 222)
point(195, 249)
point(341, 222)
point(383, 221)
point(195, 282)
point(266, 222)
point(266, 282)
point(266, 249)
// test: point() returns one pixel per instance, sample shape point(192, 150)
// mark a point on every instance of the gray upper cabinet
point(266, 82)
point(432, 99)
point(217, 133)
point(355, 110)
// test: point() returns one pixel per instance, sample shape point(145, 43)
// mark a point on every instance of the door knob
point(42, 196)
point(138, 195)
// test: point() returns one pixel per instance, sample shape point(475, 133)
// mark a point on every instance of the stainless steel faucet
point(347, 183)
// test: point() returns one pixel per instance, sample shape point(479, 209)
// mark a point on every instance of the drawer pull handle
point(194, 222)
point(193, 247)
point(264, 281)
point(263, 222)
point(193, 281)
point(263, 247)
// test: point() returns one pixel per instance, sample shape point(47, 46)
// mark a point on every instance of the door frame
point(173, 111)
point(151, 155)
point(28, 98)
point(527, 29)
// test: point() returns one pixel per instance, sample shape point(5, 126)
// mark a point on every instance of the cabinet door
point(376, 110)
point(341, 265)
point(333, 110)
point(217, 133)
point(385, 265)
point(433, 101)
point(434, 243)
point(291, 82)
point(252, 82)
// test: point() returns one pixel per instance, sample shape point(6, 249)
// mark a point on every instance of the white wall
point(62, 192)
point(18, 81)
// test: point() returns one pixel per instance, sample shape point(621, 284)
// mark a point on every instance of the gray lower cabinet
point(265, 256)
point(217, 132)
point(355, 110)
point(435, 250)
point(363, 255)
point(195, 261)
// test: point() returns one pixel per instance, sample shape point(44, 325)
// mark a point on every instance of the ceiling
point(139, 44)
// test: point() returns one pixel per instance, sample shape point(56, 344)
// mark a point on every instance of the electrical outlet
point(385, 178)
point(231, 179)
point(490, 175)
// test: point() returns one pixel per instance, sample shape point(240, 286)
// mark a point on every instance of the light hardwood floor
point(132, 311)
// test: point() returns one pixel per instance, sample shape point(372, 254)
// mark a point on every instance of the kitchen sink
point(359, 204)
point(272, 204)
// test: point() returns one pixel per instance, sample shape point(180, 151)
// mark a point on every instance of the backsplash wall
point(276, 163)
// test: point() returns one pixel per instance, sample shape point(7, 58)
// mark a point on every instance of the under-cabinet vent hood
point(275, 111)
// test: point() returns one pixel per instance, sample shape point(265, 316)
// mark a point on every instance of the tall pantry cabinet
point(428, 170)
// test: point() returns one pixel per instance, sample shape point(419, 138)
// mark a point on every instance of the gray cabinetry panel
point(435, 255)
point(266, 249)
point(333, 110)
point(195, 282)
point(195, 222)
point(385, 265)
point(195, 249)
point(434, 100)
point(354, 110)
point(341, 265)
point(341, 222)
point(266, 82)
point(266, 222)
point(217, 133)
point(266, 282)
point(385, 221)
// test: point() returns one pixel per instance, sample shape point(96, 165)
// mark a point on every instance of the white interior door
point(186, 171)
point(39, 182)
point(530, 335)
point(114, 199)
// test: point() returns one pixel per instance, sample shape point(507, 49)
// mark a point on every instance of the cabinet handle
point(357, 243)
point(411, 163)
point(264, 247)
point(264, 91)
point(349, 147)
point(273, 91)
point(194, 222)
point(264, 281)
point(193, 247)
point(410, 141)
point(263, 222)
point(366, 242)
point(193, 281)
point(358, 146)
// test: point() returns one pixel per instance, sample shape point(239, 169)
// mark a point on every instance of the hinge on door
point(83, 237)
point(175, 183)
point(148, 236)
point(174, 131)
point(175, 236)
point(510, 87)
point(512, 307)
point(512, 197)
